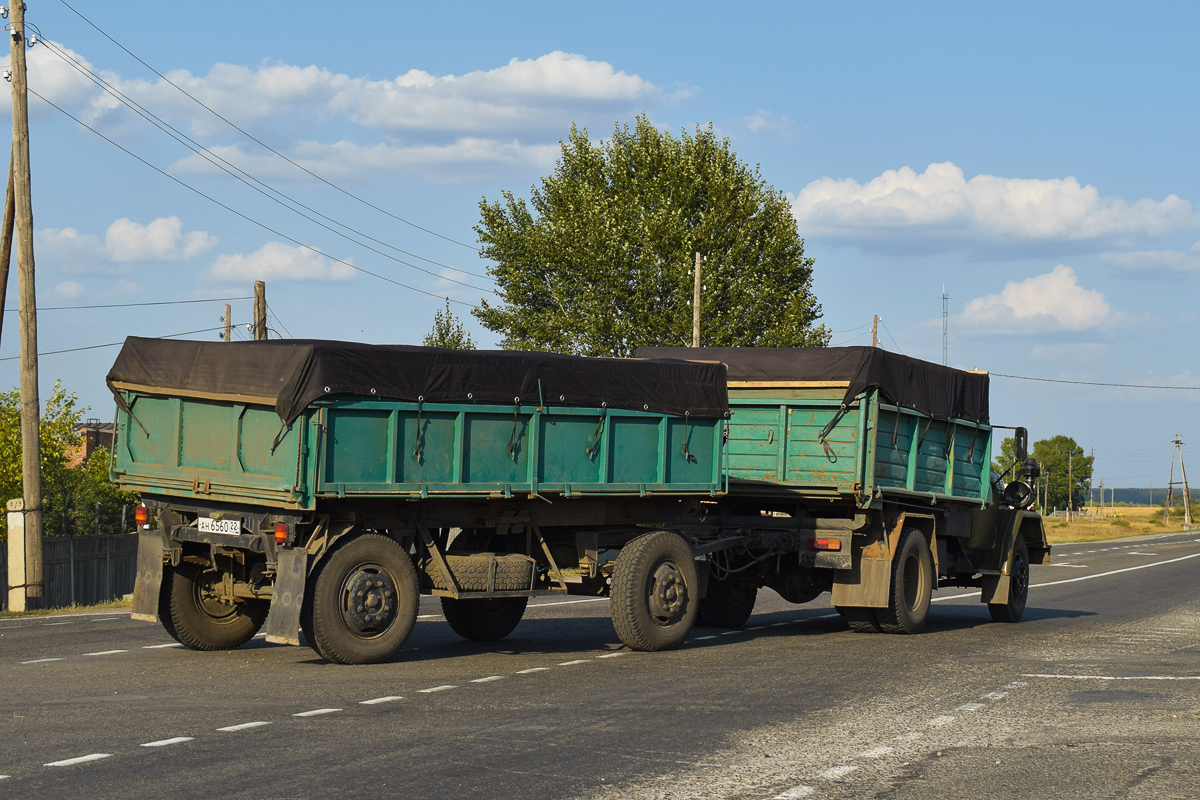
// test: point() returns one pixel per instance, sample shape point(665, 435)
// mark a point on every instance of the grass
point(117, 603)
point(1127, 522)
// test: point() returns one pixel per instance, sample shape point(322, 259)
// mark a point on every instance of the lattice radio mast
point(1187, 497)
point(945, 322)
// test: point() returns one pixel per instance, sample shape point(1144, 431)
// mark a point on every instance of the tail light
point(281, 533)
point(141, 515)
point(825, 544)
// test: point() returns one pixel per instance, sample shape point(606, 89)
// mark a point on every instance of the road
point(1096, 693)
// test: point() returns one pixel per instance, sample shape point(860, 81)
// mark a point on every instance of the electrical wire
point(889, 333)
point(256, 184)
point(271, 311)
point(848, 341)
point(114, 344)
point(134, 305)
point(1098, 383)
point(261, 143)
point(237, 213)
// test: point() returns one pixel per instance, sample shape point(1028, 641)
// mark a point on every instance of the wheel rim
point(913, 589)
point(1020, 576)
point(368, 601)
point(208, 600)
point(668, 594)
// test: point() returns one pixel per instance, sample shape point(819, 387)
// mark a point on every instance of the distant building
point(93, 435)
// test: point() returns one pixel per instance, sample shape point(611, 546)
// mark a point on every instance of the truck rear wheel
point(364, 601)
point(654, 592)
point(1018, 587)
point(912, 585)
point(198, 618)
point(860, 620)
point(727, 604)
point(487, 619)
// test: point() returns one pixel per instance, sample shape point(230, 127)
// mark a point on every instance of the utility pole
point(696, 304)
point(31, 453)
point(1070, 486)
point(260, 311)
point(1187, 497)
point(875, 332)
point(228, 320)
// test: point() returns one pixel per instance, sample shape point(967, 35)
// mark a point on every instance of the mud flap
point(283, 620)
point(148, 583)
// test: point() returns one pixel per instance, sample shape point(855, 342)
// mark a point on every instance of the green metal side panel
point(372, 447)
point(185, 447)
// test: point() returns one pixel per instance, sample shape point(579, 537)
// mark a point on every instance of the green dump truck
point(323, 486)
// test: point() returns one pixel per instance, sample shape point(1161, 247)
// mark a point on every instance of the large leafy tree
point(1054, 455)
point(600, 260)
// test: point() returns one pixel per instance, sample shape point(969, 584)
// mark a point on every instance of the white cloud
point(463, 159)
point(69, 289)
point(280, 262)
point(1049, 302)
point(942, 206)
point(762, 121)
point(56, 80)
point(125, 242)
point(1149, 261)
point(161, 240)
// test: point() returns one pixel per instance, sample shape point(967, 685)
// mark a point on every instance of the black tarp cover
point(289, 374)
point(941, 392)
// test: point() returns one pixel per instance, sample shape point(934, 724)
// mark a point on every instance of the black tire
point(860, 620)
point(912, 586)
point(654, 592)
point(1018, 587)
point(728, 603)
point(484, 620)
point(164, 602)
point(372, 569)
point(197, 619)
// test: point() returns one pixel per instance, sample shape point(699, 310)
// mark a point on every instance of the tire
point(727, 604)
point(860, 620)
point(372, 569)
point(484, 620)
point(197, 619)
point(1018, 592)
point(164, 602)
point(912, 586)
point(654, 592)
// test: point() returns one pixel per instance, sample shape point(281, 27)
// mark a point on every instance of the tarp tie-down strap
point(974, 439)
point(512, 439)
point(420, 434)
point(921, 441)
point(279, 437)
point(594, 444)
point(896, 427)
point(687, 434)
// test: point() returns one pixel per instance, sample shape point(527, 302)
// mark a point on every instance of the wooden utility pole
point(1187, 497)
point(228, 320)
point(31, 454)
point(875, 331)
point(260, 311)
point(1070, 486)
point(696, 305)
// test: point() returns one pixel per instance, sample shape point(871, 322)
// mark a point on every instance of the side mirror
point(1020, 444)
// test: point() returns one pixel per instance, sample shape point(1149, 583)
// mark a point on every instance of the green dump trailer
point(323, 486)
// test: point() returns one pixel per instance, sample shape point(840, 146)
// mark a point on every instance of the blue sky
point(1040, 163)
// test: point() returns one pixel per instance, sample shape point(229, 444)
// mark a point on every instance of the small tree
point(57, 438)
point(448, 332)
point(601, 259)
point(1054, 455)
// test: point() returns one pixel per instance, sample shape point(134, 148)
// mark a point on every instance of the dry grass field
point(1125, 521)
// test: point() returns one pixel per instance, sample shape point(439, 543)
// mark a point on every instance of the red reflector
point(141, 515)
point(825, 544)
point(281, 533)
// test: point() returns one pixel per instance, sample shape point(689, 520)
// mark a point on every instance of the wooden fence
point(82, 569)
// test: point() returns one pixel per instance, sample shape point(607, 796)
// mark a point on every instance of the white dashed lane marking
point(938, 722)
point(165, 742)
point(243, 726)
point(443, 688)
point(573, 663)
point(41, 660)
point(877, 752)
point(609, 655)
point(316, 712)
point(795, 793)
point(532, 670)
point(488, 679)
point(160, 646)
point(970, 707)
point(840, 771)
point(106, 653)
point(1120, 677)
point(391, 698)
point(67, 762)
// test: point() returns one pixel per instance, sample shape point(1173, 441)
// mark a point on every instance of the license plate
point(228, 526)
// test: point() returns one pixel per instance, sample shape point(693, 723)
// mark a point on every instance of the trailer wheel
point(196, 616)
point(654, 588)
point(488, 619)
point(164, 602)
point(727, 605)
point(912, 586)
point(364, 601)
point(1018, 588)
point(860, 620)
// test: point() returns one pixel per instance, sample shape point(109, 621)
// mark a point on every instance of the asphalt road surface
point(1096, 693)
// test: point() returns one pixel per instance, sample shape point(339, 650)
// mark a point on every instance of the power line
point(271, 311)
point(115, 344)
point(134, 305)
point(237, 213)
point(261, 143)
point(893, 338)
point(254, 183)
point(1098, 383)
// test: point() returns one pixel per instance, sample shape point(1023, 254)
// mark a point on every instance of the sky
point(1034, 162)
